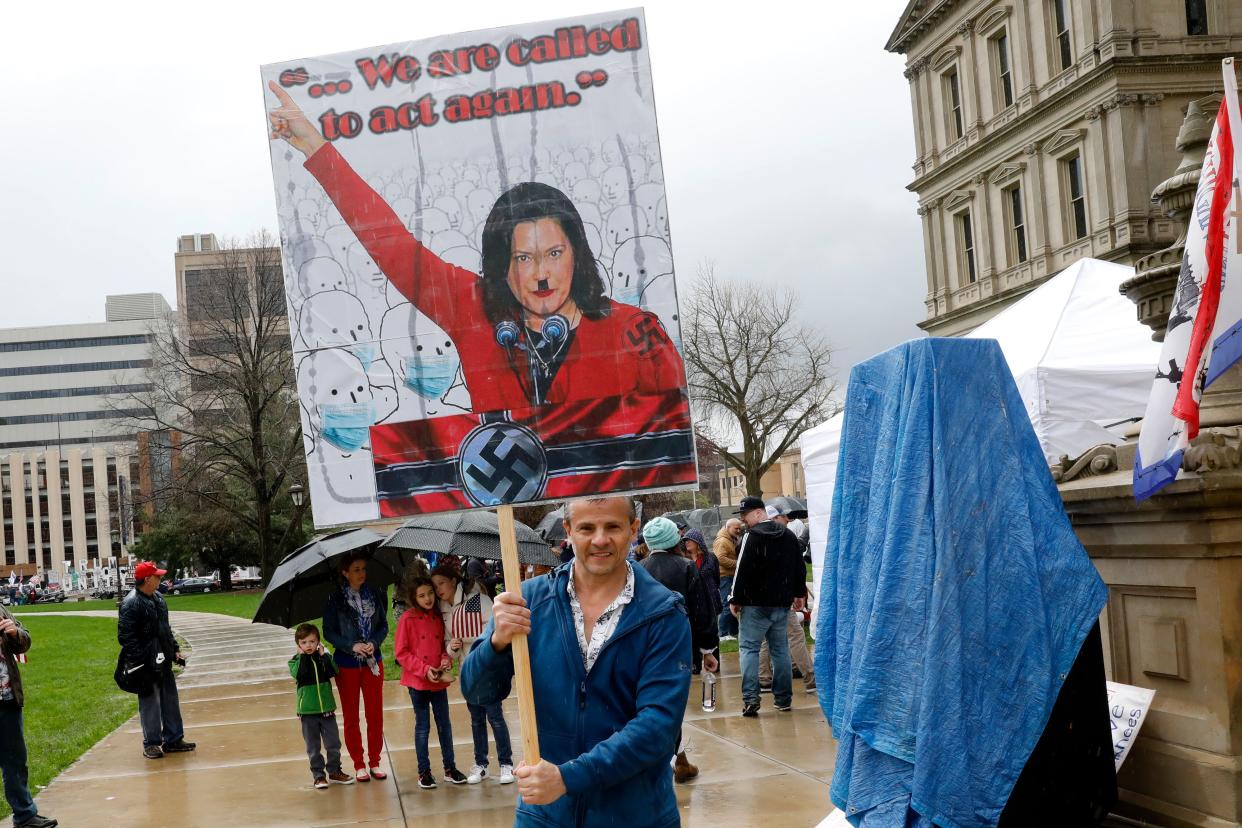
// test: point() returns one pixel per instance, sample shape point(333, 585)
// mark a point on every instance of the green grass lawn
point(240, 604)
point(71, 700)
point(68, 606)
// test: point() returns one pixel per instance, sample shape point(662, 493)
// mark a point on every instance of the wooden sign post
point(521, 653)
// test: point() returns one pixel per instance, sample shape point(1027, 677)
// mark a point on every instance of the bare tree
point(221, 380)
point(758, 378)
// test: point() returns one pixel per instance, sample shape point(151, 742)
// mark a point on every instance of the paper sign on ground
point(1127, 710)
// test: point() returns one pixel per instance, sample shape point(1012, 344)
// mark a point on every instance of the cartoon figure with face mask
point(424, 361)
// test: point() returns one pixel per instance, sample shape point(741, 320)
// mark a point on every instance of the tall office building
point(70, 467)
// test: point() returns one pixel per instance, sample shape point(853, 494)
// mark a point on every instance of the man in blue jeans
point(770, 577)
point(146, 637)
point(14, 640)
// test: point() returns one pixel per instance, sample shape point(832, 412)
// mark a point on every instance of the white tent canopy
point(1079, 355)
point(1081, 360)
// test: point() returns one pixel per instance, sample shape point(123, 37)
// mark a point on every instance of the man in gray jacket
point(15, 641)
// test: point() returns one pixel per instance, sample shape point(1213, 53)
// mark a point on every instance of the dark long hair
point(530, 201)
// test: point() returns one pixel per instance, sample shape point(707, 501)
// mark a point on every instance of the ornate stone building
point(1041, 129)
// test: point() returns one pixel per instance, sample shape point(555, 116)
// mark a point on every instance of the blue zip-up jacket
point(340, 627)
point(611, 732)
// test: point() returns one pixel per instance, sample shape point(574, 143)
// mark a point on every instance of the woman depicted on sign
point(538, 327)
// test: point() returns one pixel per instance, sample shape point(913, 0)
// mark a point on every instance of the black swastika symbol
point(504, 469)
point(646, 335)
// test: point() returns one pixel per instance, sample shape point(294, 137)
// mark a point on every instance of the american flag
point(467, 619)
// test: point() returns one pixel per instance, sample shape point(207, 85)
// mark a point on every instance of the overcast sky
point(786, 138)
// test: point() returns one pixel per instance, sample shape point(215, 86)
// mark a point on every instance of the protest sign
point(1127, 710)
point(478, 270)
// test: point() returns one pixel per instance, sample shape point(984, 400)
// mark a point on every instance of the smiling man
point(610, 658)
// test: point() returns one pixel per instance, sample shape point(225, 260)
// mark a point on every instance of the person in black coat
point(668, 566)
point(770, 577)
point(146, 637)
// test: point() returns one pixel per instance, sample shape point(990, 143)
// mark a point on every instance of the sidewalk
point(250, 767)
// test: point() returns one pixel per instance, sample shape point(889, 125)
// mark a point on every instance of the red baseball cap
point(146, 569)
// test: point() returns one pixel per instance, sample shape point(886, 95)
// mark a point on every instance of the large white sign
point(478, 268)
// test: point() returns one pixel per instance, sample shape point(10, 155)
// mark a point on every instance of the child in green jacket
point(313, 670)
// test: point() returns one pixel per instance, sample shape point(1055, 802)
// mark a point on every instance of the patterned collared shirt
point(607, 622)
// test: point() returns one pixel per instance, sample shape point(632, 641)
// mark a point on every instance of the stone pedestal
point(1173, 566)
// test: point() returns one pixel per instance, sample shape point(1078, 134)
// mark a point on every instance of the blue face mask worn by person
point(430, 377)
point(347, 425)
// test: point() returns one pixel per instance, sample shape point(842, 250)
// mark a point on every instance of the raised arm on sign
point(289, 122)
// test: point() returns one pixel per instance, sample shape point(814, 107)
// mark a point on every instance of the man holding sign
point(609, 651)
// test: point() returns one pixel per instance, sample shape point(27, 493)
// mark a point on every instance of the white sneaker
point(477, 774)
point(728, 638)
point(506, 775)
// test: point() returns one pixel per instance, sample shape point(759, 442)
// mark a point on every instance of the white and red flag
point(1204, 334)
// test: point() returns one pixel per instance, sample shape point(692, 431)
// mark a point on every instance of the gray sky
point(786, 138)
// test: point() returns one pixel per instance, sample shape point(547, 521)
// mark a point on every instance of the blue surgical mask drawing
point(628, 295)
point(430, 377)
point(347, 425)
point(366, 353)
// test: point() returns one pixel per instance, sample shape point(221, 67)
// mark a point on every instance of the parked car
point(193, 585)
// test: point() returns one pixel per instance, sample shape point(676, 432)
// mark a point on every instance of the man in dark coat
point(679, 575)
point(146, 637)
point(770, 577)
point(14, 641)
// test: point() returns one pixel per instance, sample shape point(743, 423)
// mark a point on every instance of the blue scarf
point(362, 603)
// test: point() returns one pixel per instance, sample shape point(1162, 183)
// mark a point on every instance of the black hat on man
point(749, 504)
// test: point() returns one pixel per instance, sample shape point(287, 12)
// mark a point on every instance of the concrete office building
point(63, 385)
point(69, 451)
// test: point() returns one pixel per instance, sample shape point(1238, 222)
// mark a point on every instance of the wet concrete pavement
point(250, 768)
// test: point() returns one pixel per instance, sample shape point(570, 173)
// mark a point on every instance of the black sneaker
point(455, 776)
point(426, 780)
point(784, 708)
point(180, 746)
point(153, 752)
point(38, 821)
point(765, 688)
point(750, 711)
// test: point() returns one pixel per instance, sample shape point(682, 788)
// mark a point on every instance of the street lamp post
point(297, 494)
point(115, 535)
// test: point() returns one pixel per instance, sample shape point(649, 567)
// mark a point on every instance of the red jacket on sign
point(626, 352)
point(419, 645)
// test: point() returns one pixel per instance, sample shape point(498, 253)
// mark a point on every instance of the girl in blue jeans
point(426, 671)
point(466, 609)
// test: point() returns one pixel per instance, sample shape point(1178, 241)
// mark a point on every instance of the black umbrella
point(302, 582)
point(552, 527)
point(464, 534)
point(793, 507)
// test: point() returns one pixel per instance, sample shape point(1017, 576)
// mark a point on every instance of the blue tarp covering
point(955, 595)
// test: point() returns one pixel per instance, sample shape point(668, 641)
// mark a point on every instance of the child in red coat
point(425, 666)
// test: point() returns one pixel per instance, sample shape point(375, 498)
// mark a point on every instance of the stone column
point(1173, 565)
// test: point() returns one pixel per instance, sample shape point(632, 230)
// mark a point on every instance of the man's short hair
point(305, 631)
point(567, 508)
